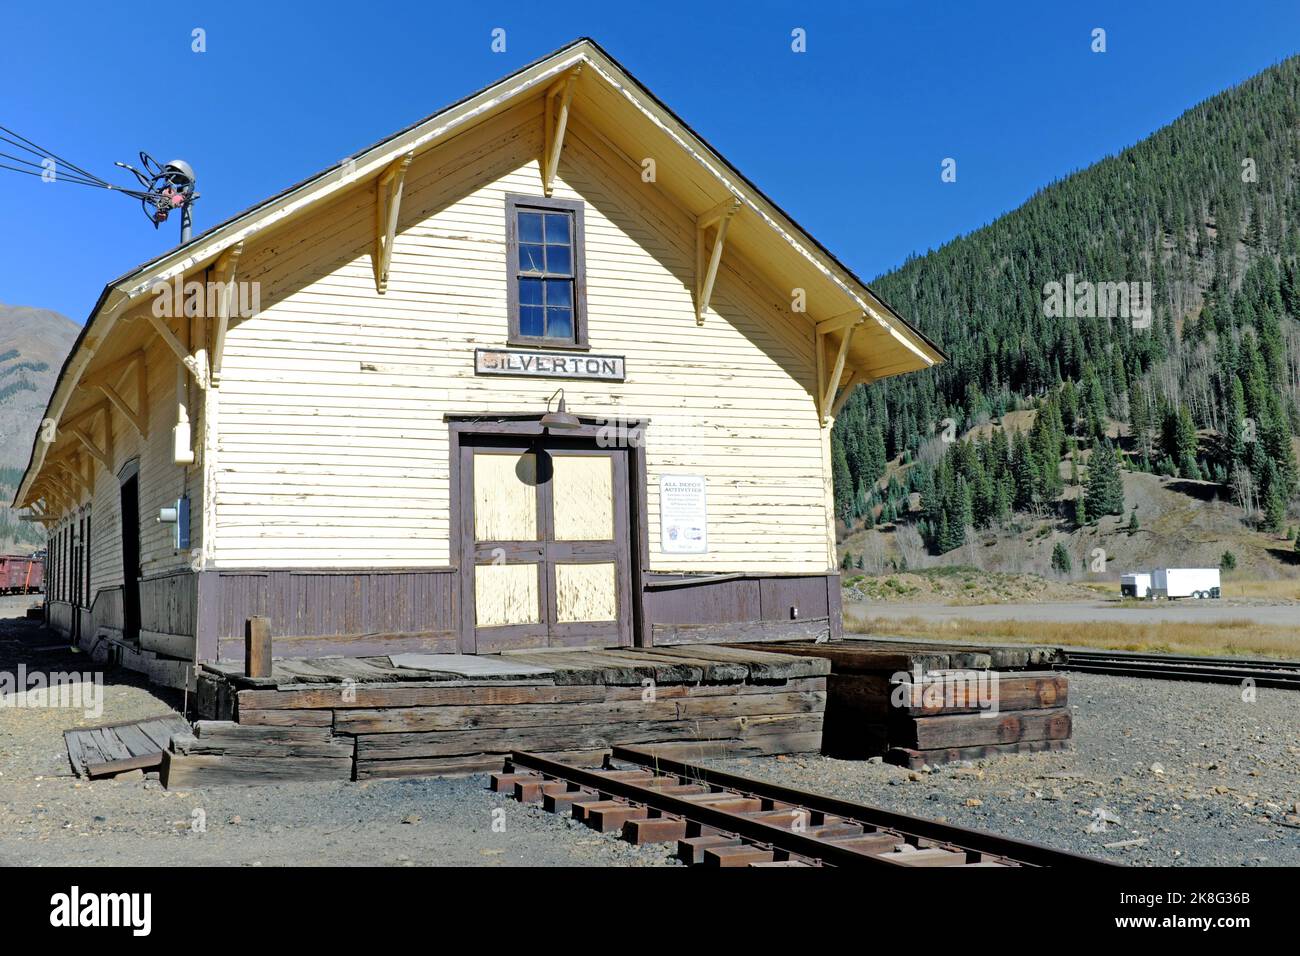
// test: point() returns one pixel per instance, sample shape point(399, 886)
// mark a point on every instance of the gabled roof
point(698, 176)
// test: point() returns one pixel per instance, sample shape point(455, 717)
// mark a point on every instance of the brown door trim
point(625, 434)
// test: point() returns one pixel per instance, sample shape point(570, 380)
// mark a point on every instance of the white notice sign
point(683, 515)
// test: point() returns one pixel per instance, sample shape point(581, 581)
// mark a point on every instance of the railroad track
point(721, 819)
point(1225, 670)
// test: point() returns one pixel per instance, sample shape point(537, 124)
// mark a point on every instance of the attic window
point(546, 274)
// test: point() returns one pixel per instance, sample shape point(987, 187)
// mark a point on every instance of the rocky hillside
point(33, 345)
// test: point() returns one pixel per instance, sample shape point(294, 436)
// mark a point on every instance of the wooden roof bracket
point(73, 477)
point(855, 379)
point(108, 381)
point(388, 206)
point(103, 454)
point(225, 268)
point(555, 125)
point(37, 513)
point(829, 396)
point(62, 494)
point(706, 274)
point(46, 496)
point(90, 472)
point(169, 338)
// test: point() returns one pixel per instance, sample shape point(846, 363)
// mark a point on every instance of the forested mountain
point(1044, 309)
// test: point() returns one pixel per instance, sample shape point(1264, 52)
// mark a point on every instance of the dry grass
point(1231, 637)
point(1285, 589)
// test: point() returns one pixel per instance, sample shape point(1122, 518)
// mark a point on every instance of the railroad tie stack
point(917, 704)
point(966, 715)
point(358, 718)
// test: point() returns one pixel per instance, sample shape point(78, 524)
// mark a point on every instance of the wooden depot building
point(542, 370)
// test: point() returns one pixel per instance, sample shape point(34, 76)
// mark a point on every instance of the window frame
point(514, 203)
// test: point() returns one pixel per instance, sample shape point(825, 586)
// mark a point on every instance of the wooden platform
point(887, 698)
point(356, 718)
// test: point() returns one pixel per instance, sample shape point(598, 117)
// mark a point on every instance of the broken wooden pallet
point(110, 749)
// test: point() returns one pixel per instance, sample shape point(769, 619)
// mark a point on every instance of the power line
point(45, 153)
point(167, 187)
point(66, 179)
point(46, 171)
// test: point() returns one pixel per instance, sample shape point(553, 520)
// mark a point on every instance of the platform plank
point(1018, 691)
point(761, 664)
point(578, 737)
point(199, 770)
point(411, 719)
point(976, 729)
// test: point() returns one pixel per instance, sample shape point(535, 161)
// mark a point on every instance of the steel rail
point(1264, 662)
point(1264, 673)
point(782, 838)
point(980, 841)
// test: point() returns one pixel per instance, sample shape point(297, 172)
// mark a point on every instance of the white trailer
point(1185, 582)
point(1137, 585)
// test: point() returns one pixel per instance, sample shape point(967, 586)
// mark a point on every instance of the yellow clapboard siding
point(311, 445)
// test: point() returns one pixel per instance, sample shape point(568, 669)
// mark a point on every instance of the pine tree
point(1274, 511)
point(1080, 512)
point(843, 483)
point(1140, 428)
point(1105, 486)
point(1061, 562)
point(1025, 472)
point(1133, 522)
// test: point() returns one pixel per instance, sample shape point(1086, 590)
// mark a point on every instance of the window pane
point(559, 292)
point(530, 227)
point(559, 324)
point(557, 228)
point(530, 291)
point(530, 320)
point(530, 258)
point(559, 260)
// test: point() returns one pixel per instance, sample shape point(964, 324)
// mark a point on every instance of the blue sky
point(848, 137)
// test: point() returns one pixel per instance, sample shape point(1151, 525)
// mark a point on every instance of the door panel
point(505, 497)
point(548, 543)
point(583, 495)
point(506, 594)
point(586, 592)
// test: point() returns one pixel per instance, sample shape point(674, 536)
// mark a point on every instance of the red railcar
point(21, 574)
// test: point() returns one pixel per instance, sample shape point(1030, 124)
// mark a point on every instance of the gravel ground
point(1188, 769)
point(49, 817)
point(1179, 773)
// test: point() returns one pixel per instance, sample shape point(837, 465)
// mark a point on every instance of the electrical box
point(182, 453)
point(179, 515)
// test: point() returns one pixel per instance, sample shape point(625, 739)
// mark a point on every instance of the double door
point(546, 543)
